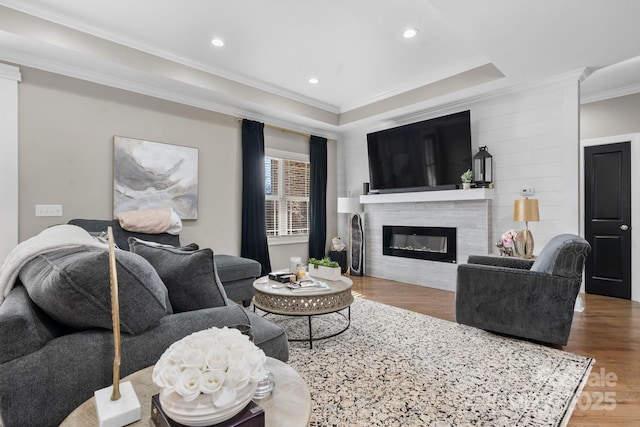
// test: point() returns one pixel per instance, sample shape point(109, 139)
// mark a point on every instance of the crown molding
point(223, 107)
point(610, 94)
point(10, 72)
point(243, 108)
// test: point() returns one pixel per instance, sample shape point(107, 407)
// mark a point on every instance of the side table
point(341, 258)
point(288, 406)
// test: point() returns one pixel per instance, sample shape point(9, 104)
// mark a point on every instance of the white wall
point(532, 133)
point(533, 137)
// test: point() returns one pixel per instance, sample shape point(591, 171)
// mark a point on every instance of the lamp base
point(117, 413)
point(524, 244)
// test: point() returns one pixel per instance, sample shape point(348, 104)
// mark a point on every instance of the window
point(286, 197)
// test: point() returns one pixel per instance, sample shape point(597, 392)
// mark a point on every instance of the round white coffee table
point(288, 406)
point(276, 298)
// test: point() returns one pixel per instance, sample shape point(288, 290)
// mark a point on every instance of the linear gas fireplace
point(430, 243)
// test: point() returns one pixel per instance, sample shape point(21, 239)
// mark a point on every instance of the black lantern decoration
point(483, 168)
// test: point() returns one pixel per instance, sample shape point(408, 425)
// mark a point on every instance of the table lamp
point(525, 210)
point(349, 205)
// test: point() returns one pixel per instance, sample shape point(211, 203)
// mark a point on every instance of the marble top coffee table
point(274, 297)
point(288, 406)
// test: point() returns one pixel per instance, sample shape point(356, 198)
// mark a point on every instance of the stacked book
point(282, 276)
point(308, 285)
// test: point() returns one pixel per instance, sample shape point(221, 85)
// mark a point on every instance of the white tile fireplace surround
point(469, 211)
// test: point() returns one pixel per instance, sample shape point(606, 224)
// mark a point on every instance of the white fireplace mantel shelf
point(429, 196)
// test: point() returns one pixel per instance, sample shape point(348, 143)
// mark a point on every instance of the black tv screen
point(428, 155)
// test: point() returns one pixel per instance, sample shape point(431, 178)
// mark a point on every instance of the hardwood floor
point(608, 330)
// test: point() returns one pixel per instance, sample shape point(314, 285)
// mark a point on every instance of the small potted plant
point(324, 269)
point(466, 179)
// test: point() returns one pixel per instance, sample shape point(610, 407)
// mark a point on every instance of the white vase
point(201, 411)
point(466, 185)
point(322, 272)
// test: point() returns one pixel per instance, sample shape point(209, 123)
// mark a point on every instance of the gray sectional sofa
point(56, 346)
point(236, 274)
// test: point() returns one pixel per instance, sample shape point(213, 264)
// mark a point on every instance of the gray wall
point(616, 116)
point(66, 129)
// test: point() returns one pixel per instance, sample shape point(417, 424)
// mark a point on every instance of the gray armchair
point(524, 298)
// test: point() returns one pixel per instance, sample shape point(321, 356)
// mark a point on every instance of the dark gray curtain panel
point(254, 230)
point(318, 197)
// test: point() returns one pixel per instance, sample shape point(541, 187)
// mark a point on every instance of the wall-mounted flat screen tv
point(428, 155)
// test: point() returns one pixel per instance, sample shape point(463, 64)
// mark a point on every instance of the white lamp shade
point(349, 205)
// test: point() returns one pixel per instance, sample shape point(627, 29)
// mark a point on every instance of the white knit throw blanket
point(52, 238)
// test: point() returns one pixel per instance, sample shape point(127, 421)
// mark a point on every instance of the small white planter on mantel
point(322, 272)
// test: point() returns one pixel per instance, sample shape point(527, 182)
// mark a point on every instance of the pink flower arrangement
point(509, 238)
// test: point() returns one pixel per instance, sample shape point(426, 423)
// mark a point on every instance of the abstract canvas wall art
point(148, 175)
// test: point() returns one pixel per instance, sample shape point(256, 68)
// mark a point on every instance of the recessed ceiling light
point(217, 42)
point(314, 81)
point(410, 33)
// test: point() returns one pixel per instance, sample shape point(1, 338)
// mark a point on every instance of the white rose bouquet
point(217, 362)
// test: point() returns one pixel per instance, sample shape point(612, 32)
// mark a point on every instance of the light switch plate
point(48, 210)
point(528, 191)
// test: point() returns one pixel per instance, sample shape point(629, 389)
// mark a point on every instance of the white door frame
point(9, 78)
point(634, 140)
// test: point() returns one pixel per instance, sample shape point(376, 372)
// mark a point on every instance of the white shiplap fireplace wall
point(468, 211)
point(533, 134)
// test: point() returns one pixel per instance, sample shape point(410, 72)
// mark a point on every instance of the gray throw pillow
point(72, 285)
point(189, 275)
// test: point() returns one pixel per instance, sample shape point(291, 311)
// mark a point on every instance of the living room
point(67, 119)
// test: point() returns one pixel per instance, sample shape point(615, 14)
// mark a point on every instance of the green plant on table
point(324, 262)
point(467, 176)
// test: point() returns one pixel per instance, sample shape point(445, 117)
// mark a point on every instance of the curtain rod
point(281, 129)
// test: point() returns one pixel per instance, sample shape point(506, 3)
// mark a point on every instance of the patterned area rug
point(394, 367)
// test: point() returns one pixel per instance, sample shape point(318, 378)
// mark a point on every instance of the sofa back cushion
point(189, 275)
point(564, 256)
point(72, 285)
point(120, 235)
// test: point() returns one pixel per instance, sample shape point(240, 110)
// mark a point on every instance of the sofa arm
point(521, 303)
point(43, 387)
point(509, 262)
point(24, 327)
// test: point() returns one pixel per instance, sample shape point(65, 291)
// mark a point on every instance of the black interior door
point(608, 219)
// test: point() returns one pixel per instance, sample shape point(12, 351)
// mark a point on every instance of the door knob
point(624, 227)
